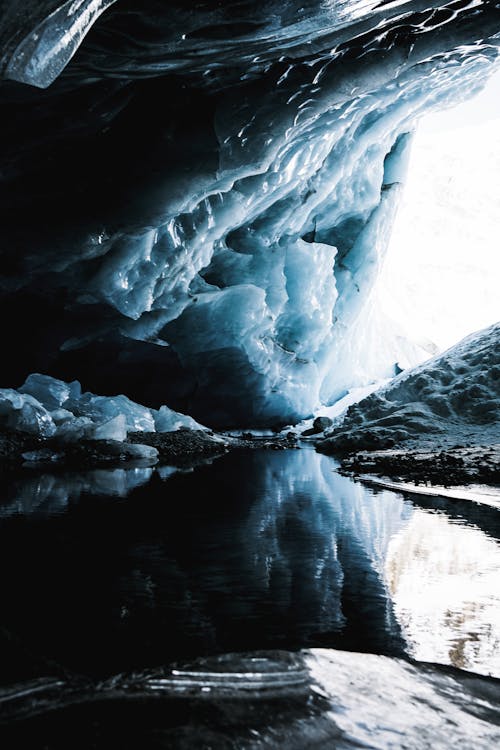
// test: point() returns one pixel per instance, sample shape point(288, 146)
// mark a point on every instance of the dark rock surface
point(320, 424)
point(183, 447)
point(447, 467)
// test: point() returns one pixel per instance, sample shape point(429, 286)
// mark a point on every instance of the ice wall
point(197, 209)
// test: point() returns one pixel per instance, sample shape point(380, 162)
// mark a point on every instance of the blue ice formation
point(47, 407)
point(212, 189)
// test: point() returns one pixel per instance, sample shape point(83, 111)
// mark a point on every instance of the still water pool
point(115, 570)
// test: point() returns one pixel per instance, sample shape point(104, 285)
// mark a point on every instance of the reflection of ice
point(267, 549)
point(444, 581)
point(342, 504)
point(324, 538)
point(294, 533)
point(371, 519)
point(51, 493)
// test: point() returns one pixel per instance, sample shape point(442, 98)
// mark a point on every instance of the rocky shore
point(446, 466)
point(182, 447)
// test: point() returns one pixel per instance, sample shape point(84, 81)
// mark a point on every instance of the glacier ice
point(23, 412)
point(111, 429)
point(54, 31)
point(97, 408)
point(47, 407)
point(51, 393)
point(166, 420)
point(212, 197)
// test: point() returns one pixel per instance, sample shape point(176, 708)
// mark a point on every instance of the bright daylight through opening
point(440, 278)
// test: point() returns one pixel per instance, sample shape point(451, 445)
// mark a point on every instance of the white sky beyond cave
point(441, 279)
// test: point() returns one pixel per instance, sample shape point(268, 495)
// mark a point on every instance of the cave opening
point(249, 474)
point(440, 275)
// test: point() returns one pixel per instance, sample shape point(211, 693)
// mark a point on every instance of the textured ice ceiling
point(196, 197)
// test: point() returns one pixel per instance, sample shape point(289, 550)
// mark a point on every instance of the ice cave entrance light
point(442, 271)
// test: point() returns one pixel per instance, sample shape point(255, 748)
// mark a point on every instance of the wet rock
point(320, 424)
point(182, 446)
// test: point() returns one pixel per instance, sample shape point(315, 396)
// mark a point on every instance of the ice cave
point(205, 216)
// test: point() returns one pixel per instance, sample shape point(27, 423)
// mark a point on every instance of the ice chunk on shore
point(19, 411)
point(76, 428)
point(48, 407)
point(167, 420)
point(103, 408)
point(50, 392)
point(113, 429)
point(61, 415)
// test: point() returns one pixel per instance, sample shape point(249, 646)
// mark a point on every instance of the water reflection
point(112, 571)
point(443, 580)
point(50, 494)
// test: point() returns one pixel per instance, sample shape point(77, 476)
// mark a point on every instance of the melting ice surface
point(125, 569)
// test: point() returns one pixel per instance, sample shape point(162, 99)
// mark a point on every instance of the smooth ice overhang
point(41, 38)
point(44, 36)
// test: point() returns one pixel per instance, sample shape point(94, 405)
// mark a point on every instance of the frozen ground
point(452, 398)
